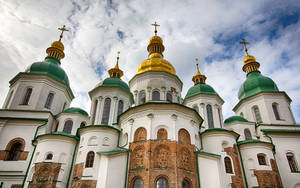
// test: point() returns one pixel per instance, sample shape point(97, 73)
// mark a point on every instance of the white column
point(113, 108)
point(136, 99)
point(163, 94)
point(148, 94)
point(99, 110)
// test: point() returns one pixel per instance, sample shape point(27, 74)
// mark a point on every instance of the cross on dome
point(245, 45)
point(155, 25)
point(63, 29)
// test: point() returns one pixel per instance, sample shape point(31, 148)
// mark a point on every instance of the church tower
point(205, 100)
point(260, 100)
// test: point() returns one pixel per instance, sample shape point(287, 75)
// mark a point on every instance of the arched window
point(228, 166)
point(184, 136)
point(140, 134)
point(292, 162)
point(15, 151)
point(186, 184)
point(210, 119)
point(195, 107)
point(89, 162)
point(169, 97)
point(242, 114)
point(261, 159)
point(142, 97)
point(120, 107)
point(162, 183)
point(27, 96)
point(106, 111)
point(155, 96)
point(49, 156)
point(247, 134)
point(82, 124)
point(138, 183)
point(68, 126)
point(257, 114)
point(49, 100)
point(275, 110)
point(162, 134)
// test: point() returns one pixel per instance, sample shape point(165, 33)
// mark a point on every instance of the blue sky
point(209, 30)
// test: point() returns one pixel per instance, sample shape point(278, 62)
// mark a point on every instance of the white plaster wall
point(62, 154)
point(287, 143)
point(116, 168)
point(249, 155)
point(201, 101)
point(159, 81)
point(239, 128)
point(209, 172)
point(76, 118)
point(115, 94)
point(264, 102)
point(215, 142)
point(154, 118)
point(41, 87)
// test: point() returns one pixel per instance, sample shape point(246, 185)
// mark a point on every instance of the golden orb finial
point(56, 50)
point(155, 25)
point(198, 78)
point(116, 72)
point(250, 63)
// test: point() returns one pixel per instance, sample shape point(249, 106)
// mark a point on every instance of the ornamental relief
point(185, 159)
point(161, 156)
point(138, 157)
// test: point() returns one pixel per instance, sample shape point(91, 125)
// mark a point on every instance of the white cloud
point(189, 30)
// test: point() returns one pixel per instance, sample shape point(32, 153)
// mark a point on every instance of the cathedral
point(144, 133)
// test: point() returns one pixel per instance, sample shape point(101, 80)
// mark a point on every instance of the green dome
point(73, 110)
point(235, 118)
point(51, 67)
point(256, 83)
point(114, 82)
point(200, 89)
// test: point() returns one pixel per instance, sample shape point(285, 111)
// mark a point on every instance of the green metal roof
point(114, 82)
point(76, 111)
point(200, 89)
point(235, 118)
point(256, 83)
point(51, 67)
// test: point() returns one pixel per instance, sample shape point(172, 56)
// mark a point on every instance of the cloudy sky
point(207, 29)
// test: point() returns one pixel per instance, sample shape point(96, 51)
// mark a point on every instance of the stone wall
point(152, 159)
point(77, 181)
point(268, 178)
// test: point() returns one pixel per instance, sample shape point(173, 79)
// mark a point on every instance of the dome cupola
point(155, 61)
point(255, 82)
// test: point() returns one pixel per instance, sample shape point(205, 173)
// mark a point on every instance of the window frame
point(106, 111)
point(261, 158)
point(27, 96)
point(71, 126)
point(228, 161)
point(49, 100)
point(209, 115)
point(90, 159)
point(292, 163)
point(276, 110)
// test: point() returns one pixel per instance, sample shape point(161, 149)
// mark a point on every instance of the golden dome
point(155, 64)
point(249, 59)
point(58, 45)
point(155, 39)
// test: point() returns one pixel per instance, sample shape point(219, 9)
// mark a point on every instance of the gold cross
point(245, 45)
point(118, 56)
point(155, 25)
point(63, 29)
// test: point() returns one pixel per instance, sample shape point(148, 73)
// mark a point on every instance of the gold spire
point(250, 63)
point(56, 50)
point(198, 78)
point(116, 72)
point(155, 25)
point(155, 61)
